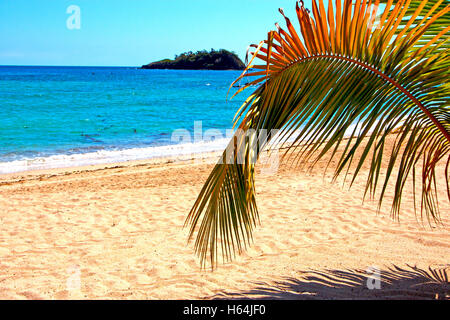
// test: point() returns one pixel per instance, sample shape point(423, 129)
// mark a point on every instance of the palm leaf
point(349, 68)
point(420, 9)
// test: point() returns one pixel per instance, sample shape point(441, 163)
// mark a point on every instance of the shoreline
point(157, 154)
point(112, 157)
point(209, 157)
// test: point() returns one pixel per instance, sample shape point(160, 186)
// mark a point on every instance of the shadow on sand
point(395, 283)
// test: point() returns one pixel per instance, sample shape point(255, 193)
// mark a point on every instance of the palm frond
point(350, 68)
point(420, 9)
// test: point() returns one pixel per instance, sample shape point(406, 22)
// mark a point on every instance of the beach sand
point(116, 232)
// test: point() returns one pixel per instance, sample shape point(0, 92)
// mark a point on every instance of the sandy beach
point(116, 232)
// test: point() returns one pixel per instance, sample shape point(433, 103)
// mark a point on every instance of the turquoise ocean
point(70, 116)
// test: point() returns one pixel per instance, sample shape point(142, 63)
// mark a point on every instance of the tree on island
point(348, 65)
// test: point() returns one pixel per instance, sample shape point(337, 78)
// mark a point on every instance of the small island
point(201, 60)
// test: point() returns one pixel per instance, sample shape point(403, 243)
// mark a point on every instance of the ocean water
point(68, 116)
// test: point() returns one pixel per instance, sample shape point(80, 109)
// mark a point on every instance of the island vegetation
point(201, 60)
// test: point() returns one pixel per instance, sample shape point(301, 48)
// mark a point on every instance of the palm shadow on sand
point(396, 283)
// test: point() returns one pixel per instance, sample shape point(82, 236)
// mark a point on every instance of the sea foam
point(112, 156)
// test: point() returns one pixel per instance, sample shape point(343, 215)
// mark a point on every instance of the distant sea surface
point(68, 116)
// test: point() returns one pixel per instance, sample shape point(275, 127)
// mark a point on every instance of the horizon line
point(77, 66)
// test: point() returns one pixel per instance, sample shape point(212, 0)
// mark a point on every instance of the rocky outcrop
point(201, 60)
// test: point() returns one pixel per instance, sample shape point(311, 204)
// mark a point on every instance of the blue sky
point(131, 32)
